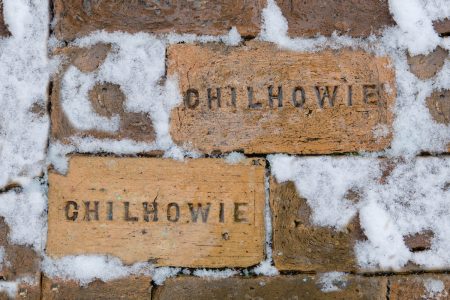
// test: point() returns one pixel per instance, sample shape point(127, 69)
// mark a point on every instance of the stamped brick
point(3, 29)
point(352, 17)
point(260, 99)
point(78, 18)
point(281, 287)
point(299, 245)
point(126, 288)
point(424, 286)
point(106, 99)
point(426, 66)
point(197, 213)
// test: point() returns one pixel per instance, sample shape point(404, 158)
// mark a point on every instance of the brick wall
point(253, 98)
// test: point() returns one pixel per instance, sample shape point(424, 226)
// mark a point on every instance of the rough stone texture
point(226, 231)
point(426, 66)
point(299, 245)
point(248, 121)
point(126, 288)
point(77, 18)
point(352, 17)
point(419, 287)
point(3, 29)
point(107, 99)
point(442, 26)
point(281, 287)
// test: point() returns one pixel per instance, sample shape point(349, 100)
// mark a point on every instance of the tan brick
point(426, 66)
point(281, 287)
point(246, 120)
point(106, 99)
point(352, 17)
point(126, 288)
point(77, 18)
point(3, 29)
point(442, 26)
point(226, 231)
point(299, 245)
point(419, 287)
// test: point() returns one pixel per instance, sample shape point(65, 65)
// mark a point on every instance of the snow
point(234, 158)
point(413, 198)
point(434, 288)
point(332, 281)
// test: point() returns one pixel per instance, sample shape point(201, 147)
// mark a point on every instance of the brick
point(247, 121)
point(78, 18)
point(299, 245)
point(353, 17)
point(126, 288)
point(439, 105)
point(106, 99)
point(426, 66)
point(3, 28)
point(281, 287)
point(226, 231)
point(442, 26)
point(25, 292)
point(415, 287)
point(19, 261)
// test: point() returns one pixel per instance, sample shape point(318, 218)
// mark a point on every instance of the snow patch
point(215, 274)
point(234, 158)
point(332, 281)
point(434, 288)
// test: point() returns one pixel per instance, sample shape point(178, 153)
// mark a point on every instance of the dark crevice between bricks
point(51, 14)
point(388, 289)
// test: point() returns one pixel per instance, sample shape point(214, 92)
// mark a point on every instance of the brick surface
point(299, 245)
point(252, 115)
point(77, 18)
point(126, 288)
point(104, 205)
point(352, 17)
point(107, 99)
point(3, 29)
point(439, 105)
point(24, 292)
point(424, 286)
point(426, 66)
point(442, 26)
point(281, 287)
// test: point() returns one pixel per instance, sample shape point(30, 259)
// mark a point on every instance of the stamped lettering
point(169, 211)
point(260, 99)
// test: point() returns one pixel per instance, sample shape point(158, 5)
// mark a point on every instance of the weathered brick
point(126, 288)
point(426, 66)
point(281, 287)
point(24, 292)
point(248, 119)
point(77, 18)
point(106, 99)
point(352, 17)
point(424, 286)
point(201, 221)
point(19, 261)
point(299, 245)
point(439, 105)
point(442, 26)
point(3, 29)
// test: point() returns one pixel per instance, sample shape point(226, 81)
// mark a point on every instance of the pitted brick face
point(260, 99)
point(77, 18)
point(197, 213)
point(357, 18)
